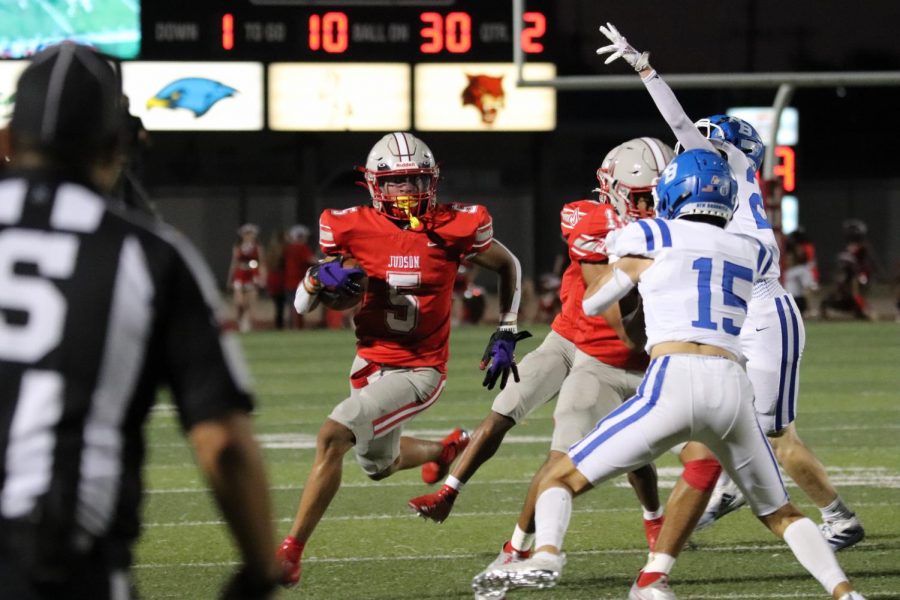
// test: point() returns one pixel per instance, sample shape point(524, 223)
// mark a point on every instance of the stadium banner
point(339, 97)
point(482, 97)
point(195, 96)
point(9, 77)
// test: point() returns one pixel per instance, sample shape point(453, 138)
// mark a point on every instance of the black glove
point(500, 354)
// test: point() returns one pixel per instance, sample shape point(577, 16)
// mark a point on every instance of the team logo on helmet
point(196, 94)
point(485, 93)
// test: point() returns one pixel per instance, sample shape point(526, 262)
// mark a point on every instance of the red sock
point(508, 547)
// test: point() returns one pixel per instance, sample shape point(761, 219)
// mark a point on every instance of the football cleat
point(657, 590)
point(852, 596)
point(843, 533)
point(652, 527)
point(435, 506)
point(453, 444)
point(507, 555)
point(499, 595)
point(288, 556)
point(725, 499)
point(541, 571)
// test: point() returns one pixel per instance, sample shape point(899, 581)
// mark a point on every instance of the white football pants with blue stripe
point(772, 341)
point(687, 397)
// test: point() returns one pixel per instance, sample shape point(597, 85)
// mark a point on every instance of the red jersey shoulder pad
point(586, 238)
point(573, 212)
point(467, 226)
point(333, 225)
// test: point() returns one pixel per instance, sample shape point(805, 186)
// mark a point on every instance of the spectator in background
point(853, 274)
point(801, 241)
point(275, 275)
point(549, 303)
point(246, 273)
point(800, 275)
point(469, 300)
point(298, 257)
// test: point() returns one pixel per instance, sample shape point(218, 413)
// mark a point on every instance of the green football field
point(370, 546)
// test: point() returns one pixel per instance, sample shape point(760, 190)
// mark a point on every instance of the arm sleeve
point(617, 287)
point(303, 300)
point(204, 368)
point(671, 110)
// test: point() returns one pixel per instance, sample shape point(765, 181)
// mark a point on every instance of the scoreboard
point(343, 30)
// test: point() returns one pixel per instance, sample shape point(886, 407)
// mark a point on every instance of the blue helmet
point(697, 182)
point(738, 133)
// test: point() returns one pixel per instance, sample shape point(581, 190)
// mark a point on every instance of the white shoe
point(505, 557)
point(658, 590)
point(726, 498)
point(541, 571)
point(842, 533)
point(852, 596)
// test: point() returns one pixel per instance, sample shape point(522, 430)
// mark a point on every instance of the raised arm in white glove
point(620, 48)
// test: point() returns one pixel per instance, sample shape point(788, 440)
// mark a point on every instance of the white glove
point(620, 48)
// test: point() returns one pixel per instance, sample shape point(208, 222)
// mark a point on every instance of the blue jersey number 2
point(730, 272)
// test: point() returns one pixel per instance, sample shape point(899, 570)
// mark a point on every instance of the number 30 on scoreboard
point(451, 32)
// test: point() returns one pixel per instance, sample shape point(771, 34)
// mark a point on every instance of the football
point(338, 299)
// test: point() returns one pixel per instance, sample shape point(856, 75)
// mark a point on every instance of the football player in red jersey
point(410, 247)
point(589, 362)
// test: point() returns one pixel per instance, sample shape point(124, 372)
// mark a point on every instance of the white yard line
point(456, 515)
point(877, 477)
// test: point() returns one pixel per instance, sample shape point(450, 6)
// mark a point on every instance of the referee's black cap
point(68, 102)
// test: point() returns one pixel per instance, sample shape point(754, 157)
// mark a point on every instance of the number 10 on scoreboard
point(451, 32)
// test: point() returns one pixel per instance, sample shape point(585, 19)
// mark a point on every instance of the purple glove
point(500, 354)
point(334, 277)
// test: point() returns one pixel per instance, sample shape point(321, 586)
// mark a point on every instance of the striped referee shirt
point(98, 307)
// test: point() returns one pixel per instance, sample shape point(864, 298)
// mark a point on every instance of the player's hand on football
point(499, 357)
point(333, 276)
point(620, 48)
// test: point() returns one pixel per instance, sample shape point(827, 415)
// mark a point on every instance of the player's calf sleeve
point(702, 474)
point(814, 553)
point(552, 513)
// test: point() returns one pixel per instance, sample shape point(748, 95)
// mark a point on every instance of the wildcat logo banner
point(482, 97)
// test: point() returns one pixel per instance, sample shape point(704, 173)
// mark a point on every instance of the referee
point(99, 306)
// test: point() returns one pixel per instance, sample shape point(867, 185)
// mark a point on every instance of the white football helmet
point(402, 157)
point(628, 175)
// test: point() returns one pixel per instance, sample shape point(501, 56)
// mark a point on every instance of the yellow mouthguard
point(406, 204)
